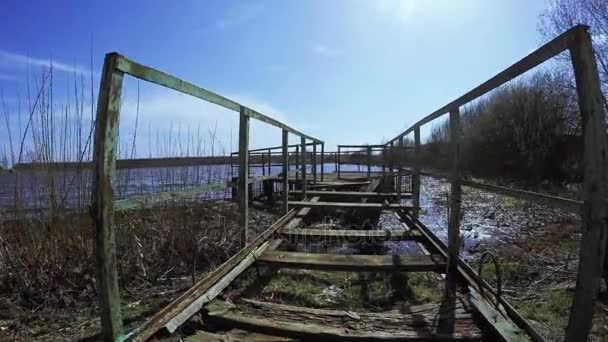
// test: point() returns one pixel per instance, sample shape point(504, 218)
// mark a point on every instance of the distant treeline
point(528, 130)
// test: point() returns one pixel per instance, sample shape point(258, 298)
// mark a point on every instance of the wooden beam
point(152, 75)
point(369, 163)
point(352, 235)
point(455, 199)
point(285, 194)
point(342, 262)
point(216, 289)
point(349, 205)
point(243, 189)
point(571, 205)
point(102, 209)
point(542, 54)
point(162, 317)
point(470, 275)
point(352, 193)
point(595, 188)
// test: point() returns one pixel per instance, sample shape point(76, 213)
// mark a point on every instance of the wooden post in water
point(322, 161)
point(399, 168)
point(338, 161)
point(102, 208)
point(595, 187)
point(285, 194)
point(369, 163)
point(304, 185)
point(391, 167)
point(455, 198)
point(314, 162)
point(243, 192)
point(269, 162)
point(416, 175)
point(297, 165)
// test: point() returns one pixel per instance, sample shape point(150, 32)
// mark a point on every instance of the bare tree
point(563, 14)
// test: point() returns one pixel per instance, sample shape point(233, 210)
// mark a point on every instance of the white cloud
point(326, 51)
point(15, 59)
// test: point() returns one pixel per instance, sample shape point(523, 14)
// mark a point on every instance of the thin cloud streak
point(12, 58)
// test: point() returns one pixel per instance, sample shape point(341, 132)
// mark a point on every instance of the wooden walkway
point(466, 316)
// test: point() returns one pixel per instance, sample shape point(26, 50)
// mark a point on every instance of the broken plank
point(307, 323)
point(341, 262)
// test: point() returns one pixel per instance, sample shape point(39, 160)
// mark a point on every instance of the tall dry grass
point(46, 235)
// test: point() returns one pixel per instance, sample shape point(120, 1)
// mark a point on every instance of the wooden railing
point(104, 170)
point(594, 211)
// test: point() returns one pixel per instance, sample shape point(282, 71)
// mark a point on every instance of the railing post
point(399, 169)
point(338, 161)
point(455, 198)
point(243, 192)
point(416, 175)
point(304, 185)
point(269, 162)
point(383, 162)
point(391, 166)
point(297, 165)
point(285, 194)
point(263, 163)
point(322, 161)
point(595, 211)
point(369, 163)
point(314, 162)
point(102, 209)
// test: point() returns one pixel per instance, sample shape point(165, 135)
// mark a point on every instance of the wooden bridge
point(470, 308)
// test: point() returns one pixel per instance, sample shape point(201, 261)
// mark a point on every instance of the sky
point(344, 71)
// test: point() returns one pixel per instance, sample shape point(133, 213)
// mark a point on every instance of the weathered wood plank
point(418, 323)
point(160, 319)
point(102, 209)
point(152, 75)
point(339, 262)
point(471, 276)
point(348, 205)
point(353, 235)
point(352, 193)
point(235, 335)
point(595, 188)
point(243, 193)
point(216, 289)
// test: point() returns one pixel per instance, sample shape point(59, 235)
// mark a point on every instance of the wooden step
point(414, 323)
point(342, 262)
point(353, 235)
point(351, 193)
point(349, 205)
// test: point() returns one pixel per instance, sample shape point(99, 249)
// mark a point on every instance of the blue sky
point(345, 71)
